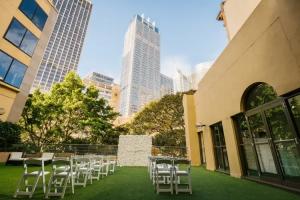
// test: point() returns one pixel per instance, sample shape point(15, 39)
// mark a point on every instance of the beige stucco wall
point(236, 12)
point(192, 140)
point(266, 49)
point(13, 99)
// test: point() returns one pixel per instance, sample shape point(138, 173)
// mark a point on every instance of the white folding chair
point(83, 171)
point(182, 169)
point(164, 175)
point(96, 165)
point(30, 178)
point(62, 174)
point(105, 166)
point(112, 161)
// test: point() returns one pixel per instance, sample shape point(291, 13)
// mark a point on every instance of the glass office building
point(140, 79)
point(65, 45)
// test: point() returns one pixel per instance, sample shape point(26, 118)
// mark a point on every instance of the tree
point(163, 120)
point(38, 121)
point(69, 109)
point(9, 134)
point(99, 117)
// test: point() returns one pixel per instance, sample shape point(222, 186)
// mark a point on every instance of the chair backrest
point(182, 162)
point(15, 155)
point(32, 161)
point(47, 155)
point(63, 155)
point(64, 162)
point(164, 161)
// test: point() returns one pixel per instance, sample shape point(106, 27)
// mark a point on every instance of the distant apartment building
point(166, 85)
point(140, 79)
point(25, 28)
point(64, 48)
point(183, 82)
point(106, 86)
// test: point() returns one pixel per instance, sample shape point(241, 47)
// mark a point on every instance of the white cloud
point(199, 72)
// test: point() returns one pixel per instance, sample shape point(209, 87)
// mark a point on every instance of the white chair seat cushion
point(182, 172)
point(36, 173)
point(163, 172)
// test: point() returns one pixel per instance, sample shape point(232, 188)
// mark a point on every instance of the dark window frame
point(225, 169)
point(37, 6)
point(19, 46)
point(10, 65)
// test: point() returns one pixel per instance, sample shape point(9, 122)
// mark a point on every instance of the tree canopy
point(163, 120)
point(69, 111)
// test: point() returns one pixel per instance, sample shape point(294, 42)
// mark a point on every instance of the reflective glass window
point(15, 32)
point(28, 7)
point(5, 62)
point(29, 43)
point(15, 74)
point(39, 18)
point(259, 95)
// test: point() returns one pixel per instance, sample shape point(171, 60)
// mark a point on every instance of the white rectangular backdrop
point(134, 150)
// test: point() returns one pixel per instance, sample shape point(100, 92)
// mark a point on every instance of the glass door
point(285, 141)
point(262, 143)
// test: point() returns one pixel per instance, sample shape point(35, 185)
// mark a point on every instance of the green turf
point(132, 183)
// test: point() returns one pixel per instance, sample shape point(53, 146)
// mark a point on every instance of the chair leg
point(176, 183)
point(190, 184)
point(35, 184)
point(171, 183)
point(18, 186)
point(72, 183)
point(65, 185)
point(49, 186)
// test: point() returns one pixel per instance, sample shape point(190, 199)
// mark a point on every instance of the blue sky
point(190, 34)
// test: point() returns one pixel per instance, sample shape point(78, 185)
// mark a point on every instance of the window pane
point(295, 107)
point(16, 74)
point(260, 95)
point(40, 18)
point(28, 7)
point(5, 62)
point(15, 32)
point(29, 43)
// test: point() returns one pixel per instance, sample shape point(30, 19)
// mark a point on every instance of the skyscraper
point(166, 85)
point(64, 48)
point(140, 79)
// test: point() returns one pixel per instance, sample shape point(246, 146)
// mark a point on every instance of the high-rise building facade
point(183, 83)
point(25, 28)
point(166, 85)
point(140, 79)
point(64, 48)
point(108, 90)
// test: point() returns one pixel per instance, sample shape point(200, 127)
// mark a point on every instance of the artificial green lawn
point(132, 183)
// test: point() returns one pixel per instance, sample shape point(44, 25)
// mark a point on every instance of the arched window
point(258, 95)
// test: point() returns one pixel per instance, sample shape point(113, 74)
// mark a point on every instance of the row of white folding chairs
point(66, 172)
point(167, 171)
point(83, 168)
